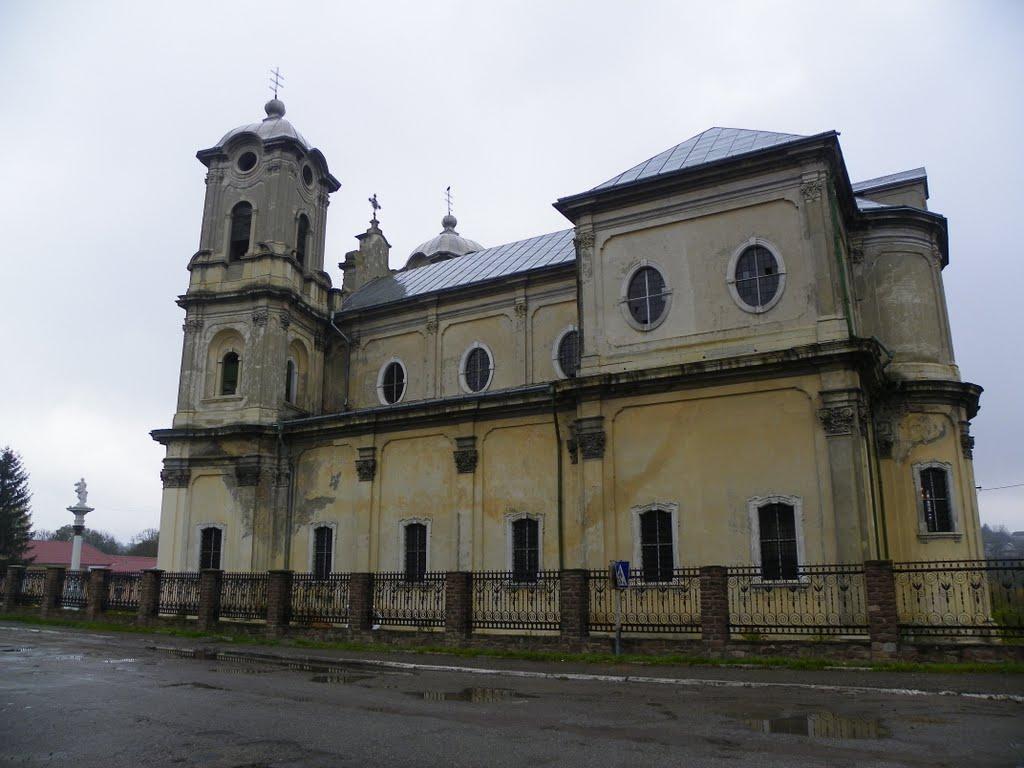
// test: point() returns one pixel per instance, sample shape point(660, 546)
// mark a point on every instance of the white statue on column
point(79, 510)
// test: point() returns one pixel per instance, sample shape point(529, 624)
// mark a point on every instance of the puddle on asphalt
point(232, 670)
point(13, 650)
point(821, 725)
point(68, 657)
point(472, 695)
point(339, 679)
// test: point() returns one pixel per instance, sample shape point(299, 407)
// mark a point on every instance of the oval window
point(646, 296)
point(477, 370)
point(392, 385)
point(307, 175)
point(569, 354)
point(757, 276)
point(246, 161)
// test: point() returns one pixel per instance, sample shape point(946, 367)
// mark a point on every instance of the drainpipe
point(289, 506)
point(348, 357)
point(559, 471)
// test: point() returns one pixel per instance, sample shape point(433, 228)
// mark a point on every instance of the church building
point(731, 355)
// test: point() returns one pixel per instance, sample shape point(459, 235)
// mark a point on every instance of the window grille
point(757, 276)
point(241, 226)
point(415, 551)
point(323, 551)
point(777, 523)
point(393, 384)
point(656, 556)
point(525, 550)
point(646, 296)
point(569, 354)
point(478, 369)
point(938, 515)
point(209, 548)
point(229, 374)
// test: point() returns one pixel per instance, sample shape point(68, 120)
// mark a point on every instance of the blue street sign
point(620, 572)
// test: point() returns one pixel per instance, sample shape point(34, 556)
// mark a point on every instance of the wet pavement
point(69, 697)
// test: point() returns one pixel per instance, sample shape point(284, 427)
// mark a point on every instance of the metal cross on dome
point(375, 205)
point(448, 198)
point(276, 80)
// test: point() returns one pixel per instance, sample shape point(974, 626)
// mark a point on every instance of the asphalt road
point(79, 699)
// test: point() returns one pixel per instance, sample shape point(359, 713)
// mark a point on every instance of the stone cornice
point(296, 302)
point(962, 394)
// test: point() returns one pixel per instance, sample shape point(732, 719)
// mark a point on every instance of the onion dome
point(449, 244)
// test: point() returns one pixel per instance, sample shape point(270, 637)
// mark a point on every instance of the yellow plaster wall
point(325, 478)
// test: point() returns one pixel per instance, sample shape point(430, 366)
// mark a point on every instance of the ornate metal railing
point(32, 588)
point(961, 598)
point(320, 601)
point(75, 584)
point(123, 591)
point(179, 593)
point(647, 606)
point(500, 602)
point(822, 600)
point(244, 595)
point(399, 601)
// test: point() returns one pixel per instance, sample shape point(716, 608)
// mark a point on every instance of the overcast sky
point(513, 104)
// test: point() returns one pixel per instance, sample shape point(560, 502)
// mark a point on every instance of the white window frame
point(730, 275)
point(954, 507)
point(402, 525)
point(557, 346)
point(312, 544)
point(512, 517)
point(624, 296)
point(462, 368)
point(668, 506)
point(380, 381)
point(223, 543)
point(754, 504)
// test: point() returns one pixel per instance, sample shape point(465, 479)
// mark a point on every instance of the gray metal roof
point(273, 126)
point(713, 144)
point(491, 263)
point(914, 174)
point(867, 205)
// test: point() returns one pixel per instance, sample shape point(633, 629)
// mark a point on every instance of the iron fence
point(961, 598)
point(244, 595)
point(320, 601)
point(501, 602)
point(123, 591)
point(179, 593)
point(647, 606)
point(75, 585)
point(822, 600)
point(32, 585)
point(401, 601)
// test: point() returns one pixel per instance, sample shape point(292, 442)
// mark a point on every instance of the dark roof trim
point(892, 181)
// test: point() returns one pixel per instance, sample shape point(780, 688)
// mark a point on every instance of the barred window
point(323, 551)
point(525, 550)
point(757, 276)
point(777, 524)
point(415, 551)
point(241, 226)
point(392, 385)
point(229, 373)
point(477, 369)
point(657, 560)
point(569, 353)
point(938, 514)
point(302, 239)
point(646, 295)
point(209, 547)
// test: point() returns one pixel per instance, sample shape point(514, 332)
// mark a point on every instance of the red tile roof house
point(43, 553)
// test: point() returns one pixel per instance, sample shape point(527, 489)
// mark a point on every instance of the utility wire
point(999, 487)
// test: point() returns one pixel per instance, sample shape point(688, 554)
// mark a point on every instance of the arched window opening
point(938, 513)
point(415, 552)
point(210, 547)
point(241, 227)
point(302, 240)
point(779, 559)
point(525, 550)
point(569, 354)
point(229, 370)
point(323, 551)
point(657, 560)
point(291, 381)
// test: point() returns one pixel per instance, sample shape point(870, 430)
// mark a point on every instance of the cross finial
point(276, 80)
point(448, 198)
point(375, 206)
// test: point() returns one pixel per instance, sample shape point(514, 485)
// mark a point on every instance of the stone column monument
point(79, 510)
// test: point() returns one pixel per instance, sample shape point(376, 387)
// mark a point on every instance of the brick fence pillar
point(96, 592)
point(458, 605)
point(714, 608)
point(279, 602)
point(149, 596)
point(210, 580)
point(53, 590)
point(15, 577)
point(574, 604)
point(883, 620)
point(360, 602)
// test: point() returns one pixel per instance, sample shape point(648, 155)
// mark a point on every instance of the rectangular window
point(779, 560)
point(323, 552)
point(938, 514)
point(209, 548)
point(525, 550)
point(656, 556)
point(415, 551)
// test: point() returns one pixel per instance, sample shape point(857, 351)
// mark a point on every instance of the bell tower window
point(229, 373)
point(302, 239)
point(241, 227)
point(290, 381)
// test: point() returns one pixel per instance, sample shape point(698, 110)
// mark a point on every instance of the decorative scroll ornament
point(589, 435)
point(175, 475)
point(840, 419)
point(573, 448)
point(260, 317)
point(285, 321)
point(466, 455)
point(192, 325)
point(431, 326)
point(247, 473)
point(966, 440)
point(811, 189)
point(366, 464)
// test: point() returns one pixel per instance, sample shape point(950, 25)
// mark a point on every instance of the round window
point(569, 354)
point(392, 385)
point(307, 175)
point(477, 369)
point(646, 297)
point(757, 276)
point(246, 161)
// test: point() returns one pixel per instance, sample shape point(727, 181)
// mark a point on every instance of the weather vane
point(375, 205)
point(448, 198)
point(276, 80)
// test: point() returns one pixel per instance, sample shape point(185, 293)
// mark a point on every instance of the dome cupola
point(449, 244)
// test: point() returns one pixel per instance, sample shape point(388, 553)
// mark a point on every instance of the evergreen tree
point(15, 519)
